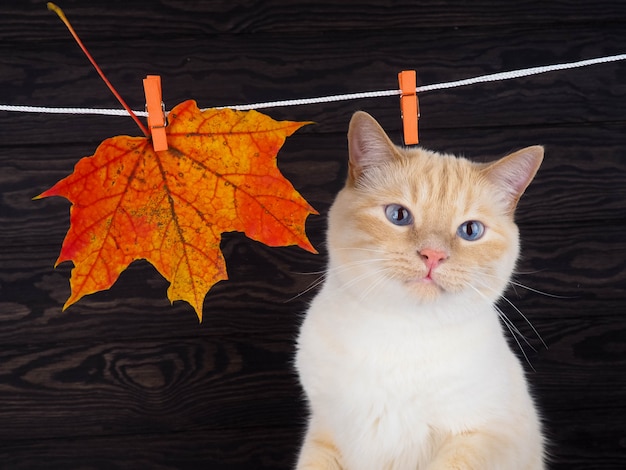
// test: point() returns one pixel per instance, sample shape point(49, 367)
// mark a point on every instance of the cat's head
point(417, 225)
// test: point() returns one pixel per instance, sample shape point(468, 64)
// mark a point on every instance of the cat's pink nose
point(433, 258)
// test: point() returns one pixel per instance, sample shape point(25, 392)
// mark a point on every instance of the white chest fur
point(386, 383)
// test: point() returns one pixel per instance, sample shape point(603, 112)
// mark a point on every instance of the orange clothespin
point(156, 111)
point(409, 105)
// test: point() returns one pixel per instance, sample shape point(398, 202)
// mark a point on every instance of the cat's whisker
point(537, 291)
point(515, 332)
point(519, 312)
point(345, 265)
point(337, 269)
point(319, 281)
point(363, 276)
point(512, 325)
point(528, 288)
point(309, 273)
point(506, 299)
point(523, 273)
point(368, 273)
point(508, 322)
point(382, 277)
point(354, 264)
point(519, 345)
point(355, 248)
point(526, 320)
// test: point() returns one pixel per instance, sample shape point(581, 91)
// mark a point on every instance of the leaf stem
point(61, 15)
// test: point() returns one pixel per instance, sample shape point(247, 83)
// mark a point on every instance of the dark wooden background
point(124, 380)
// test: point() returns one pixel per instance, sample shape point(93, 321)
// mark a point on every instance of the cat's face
point(423, 226)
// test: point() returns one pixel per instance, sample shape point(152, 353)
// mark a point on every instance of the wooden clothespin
point(409, 105)
point(156, 111)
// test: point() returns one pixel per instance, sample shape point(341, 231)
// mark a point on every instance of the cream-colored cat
point(402, 355)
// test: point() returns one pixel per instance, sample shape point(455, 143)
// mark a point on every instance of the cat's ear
point(368, 144)
point(513, 173)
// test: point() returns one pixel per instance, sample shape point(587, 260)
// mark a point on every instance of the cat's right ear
point(368, 144)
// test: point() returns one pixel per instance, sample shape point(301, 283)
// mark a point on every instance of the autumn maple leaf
point(218, 175)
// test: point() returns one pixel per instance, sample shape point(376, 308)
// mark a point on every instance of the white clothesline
point(494, 77)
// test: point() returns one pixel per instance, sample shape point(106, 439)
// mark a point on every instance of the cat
point(401, 354)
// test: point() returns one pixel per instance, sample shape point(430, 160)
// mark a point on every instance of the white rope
point(46, 110)
point(319, 99)
point(494, 77)
point(350, 96)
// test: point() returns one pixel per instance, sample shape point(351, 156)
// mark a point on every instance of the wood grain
point(296, 16)
point(124, 380)
point(580, 182)
point(233, 69)
point(102, 388)
point(262, 448)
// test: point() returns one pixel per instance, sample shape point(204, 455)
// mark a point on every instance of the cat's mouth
point(427, 279)
point(426, 287)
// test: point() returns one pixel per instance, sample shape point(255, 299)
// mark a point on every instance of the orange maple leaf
point(171, 207)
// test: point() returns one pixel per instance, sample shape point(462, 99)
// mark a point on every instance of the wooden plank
point(262, 448)
point(573, 260)
point(221, 71)
point(262, 296)
point(223, 16)
point(582, 180)
point(592, 443)
point(588, 438)
point(260, 300)
point(144, 386)
point(124, 380)
point(148, 388)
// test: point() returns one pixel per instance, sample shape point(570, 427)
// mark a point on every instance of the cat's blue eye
point(398, 215)
point(471, 230)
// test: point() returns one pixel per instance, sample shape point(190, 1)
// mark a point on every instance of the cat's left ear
point(513, 173)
